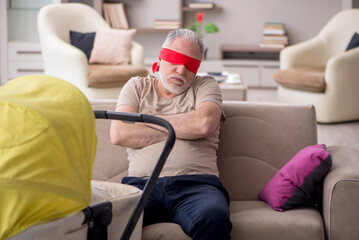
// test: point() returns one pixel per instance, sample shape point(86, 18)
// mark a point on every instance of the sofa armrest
point(341, 194)
point(343, 66)
point(310, 53)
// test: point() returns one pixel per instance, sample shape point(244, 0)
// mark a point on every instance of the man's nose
point(181, 69)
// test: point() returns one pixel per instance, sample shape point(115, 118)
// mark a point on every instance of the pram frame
point(145, 118)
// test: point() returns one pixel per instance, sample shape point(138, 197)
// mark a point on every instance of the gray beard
point(175, 90)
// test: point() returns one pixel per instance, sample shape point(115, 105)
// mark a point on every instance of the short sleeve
point(129, 94)
point(207, 89)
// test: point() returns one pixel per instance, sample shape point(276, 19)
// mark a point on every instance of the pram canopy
point(47, 149)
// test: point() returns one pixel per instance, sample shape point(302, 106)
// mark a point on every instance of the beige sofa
point(256, 140)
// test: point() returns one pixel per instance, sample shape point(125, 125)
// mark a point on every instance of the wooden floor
point(346, 134)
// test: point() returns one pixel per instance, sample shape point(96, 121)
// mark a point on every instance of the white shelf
point(28, 4)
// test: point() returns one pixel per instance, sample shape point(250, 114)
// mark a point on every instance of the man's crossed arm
point(195, 124)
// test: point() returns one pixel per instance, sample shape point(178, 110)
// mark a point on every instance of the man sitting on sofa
point(188, 191)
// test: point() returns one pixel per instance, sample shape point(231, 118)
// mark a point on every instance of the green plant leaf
point(211, 28)
point(192, 28)
point(195, 27)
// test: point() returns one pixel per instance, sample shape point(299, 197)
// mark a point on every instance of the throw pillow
point(83, 41)
point(354, 42)
point(296, 183)
point(112, 46)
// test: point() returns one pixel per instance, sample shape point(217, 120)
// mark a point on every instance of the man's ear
point(158, 62)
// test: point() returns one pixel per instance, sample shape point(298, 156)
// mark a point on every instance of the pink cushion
point(296, 182)
point(112, 46)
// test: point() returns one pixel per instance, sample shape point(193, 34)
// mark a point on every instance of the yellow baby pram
point(47, 148)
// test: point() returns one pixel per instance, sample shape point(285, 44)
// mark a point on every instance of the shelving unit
point(96, 4)
point(187, 9)
point(20, 52)
point(179, 9)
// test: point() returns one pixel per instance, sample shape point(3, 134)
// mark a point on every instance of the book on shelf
point(274, 36)
point(115, 15)
point(278, 38)
point(274, 40)
point(106, 15)
point(274, 25)
point(272, 45)
point(196, 4)
point(166, 24)
point(218, 76)
point(273, 29)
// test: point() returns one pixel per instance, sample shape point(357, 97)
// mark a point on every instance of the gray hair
point(187, 34)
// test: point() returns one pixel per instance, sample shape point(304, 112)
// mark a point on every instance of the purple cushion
point(296, 183)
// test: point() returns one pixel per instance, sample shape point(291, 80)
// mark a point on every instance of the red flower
point(200, 16)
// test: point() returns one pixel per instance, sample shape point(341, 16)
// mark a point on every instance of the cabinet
point(254, 73)
point(256, 65)
point(20, 52)
point(24, 58)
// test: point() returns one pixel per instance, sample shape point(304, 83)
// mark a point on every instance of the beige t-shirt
point(187, 156)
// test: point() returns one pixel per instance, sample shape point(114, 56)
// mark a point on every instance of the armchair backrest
point(255, 141)
point(59, 19)
point(336, 34)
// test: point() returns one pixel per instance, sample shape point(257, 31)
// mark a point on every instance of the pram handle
point(147, 190)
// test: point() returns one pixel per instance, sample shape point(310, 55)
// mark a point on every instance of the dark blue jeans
point(198, 203)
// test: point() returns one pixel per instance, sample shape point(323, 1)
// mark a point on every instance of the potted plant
point(201, 29)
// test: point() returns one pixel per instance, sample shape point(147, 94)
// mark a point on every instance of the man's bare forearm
point(196, 124)
point(135, 135)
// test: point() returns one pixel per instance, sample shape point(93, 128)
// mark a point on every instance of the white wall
point(241, 22)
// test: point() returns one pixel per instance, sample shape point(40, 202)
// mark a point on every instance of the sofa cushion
point(83, 41)
point(112, 46)
point(297, 181)
point(112, 75)
point(354, 42)
point(246, 216)
point(164, 231)
point(278, 130)
point(257, 220)
point(307, 79)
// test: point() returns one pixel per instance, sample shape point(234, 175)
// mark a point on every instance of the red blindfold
point(174, 57)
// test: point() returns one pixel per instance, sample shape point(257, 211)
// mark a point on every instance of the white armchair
point(63, 60)
point(337, 102)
